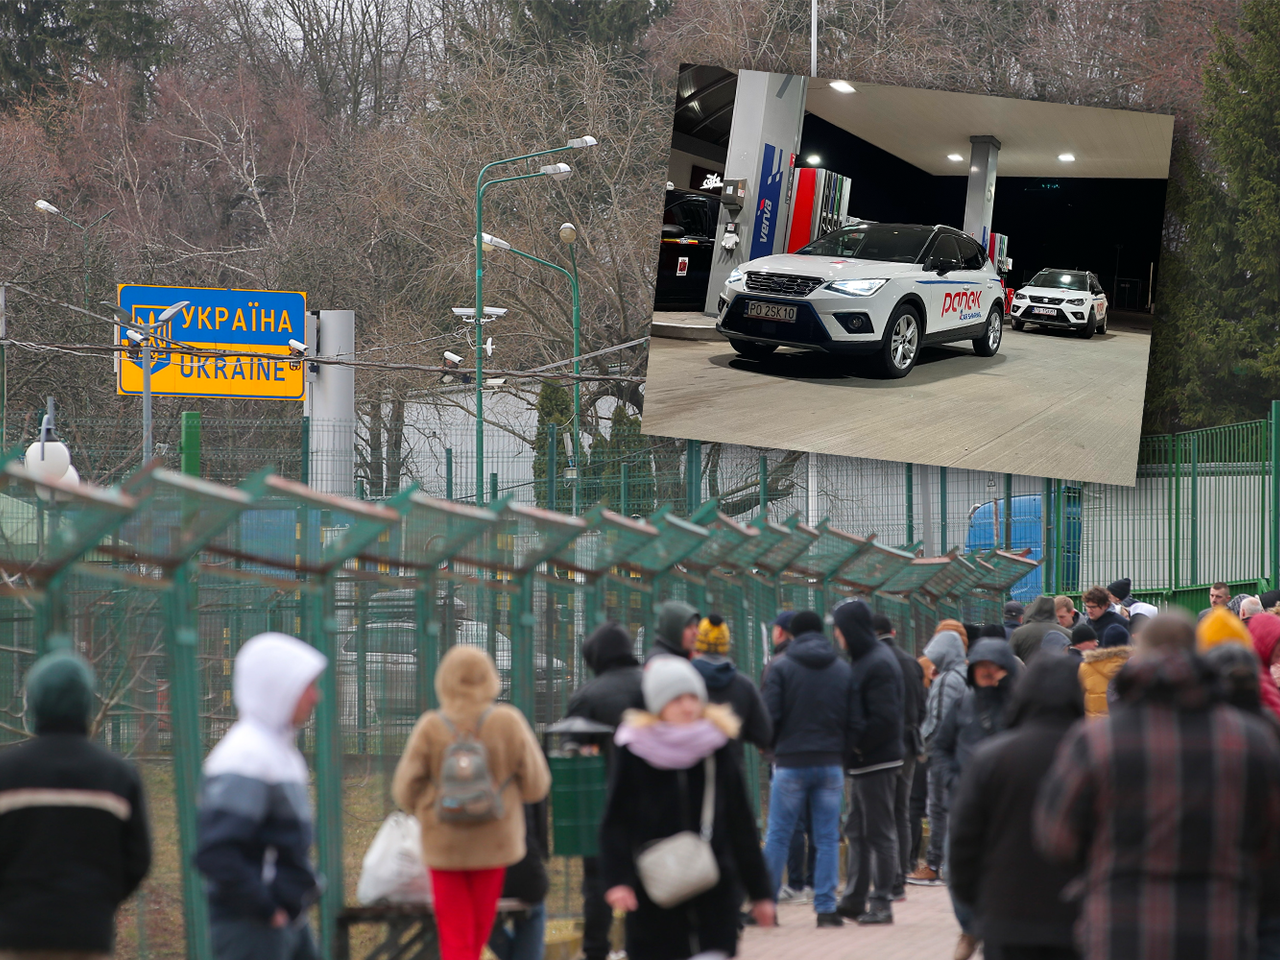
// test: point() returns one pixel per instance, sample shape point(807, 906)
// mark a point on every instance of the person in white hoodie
point(946, 651)
point(254, 834)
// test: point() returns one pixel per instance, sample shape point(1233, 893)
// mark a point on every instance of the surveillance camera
point(134, 335)
point(298, 348)
point(452, 357)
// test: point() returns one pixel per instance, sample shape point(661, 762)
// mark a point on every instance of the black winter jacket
point(878, 686)
point(74, 843)
point(527, 879)
point(913, 698)
point(609, 653)
point(726, 685)
point(995, 867)
point(647, 804)
point(979, 713)
point(811, 700)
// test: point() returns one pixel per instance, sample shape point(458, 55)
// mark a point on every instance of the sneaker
point(830, 920)
point(787, 895)
point(805, 895)
point(883, 915)
point(966, 946)
point(925, 877)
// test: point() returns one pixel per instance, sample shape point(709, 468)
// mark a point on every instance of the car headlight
point(856, 288)
point(734, 275)
point(1078, 302)
point(1019, 296)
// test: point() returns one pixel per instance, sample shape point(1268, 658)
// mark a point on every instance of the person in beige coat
point(467, 861)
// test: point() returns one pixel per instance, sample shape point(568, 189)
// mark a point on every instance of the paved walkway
point(924, 928)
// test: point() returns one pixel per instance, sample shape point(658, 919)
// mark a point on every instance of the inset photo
point(911, 275)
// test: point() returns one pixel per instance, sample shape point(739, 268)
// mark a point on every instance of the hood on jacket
point(1041, 611)
point(59, 693)
point(957, 626)
point(1050, 689)
point(945, 651)
point(1264, 628)
point(812, 650)
point(466, 682)
point(609, 647)
point(1054, 641)
point(853, 618)
point(673, 617)
point(996, 651)
point(1107, 653)
point(271, 672)
point(717, 671)
point(1178, 680)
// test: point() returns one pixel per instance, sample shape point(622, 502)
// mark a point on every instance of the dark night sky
point(1066, 223)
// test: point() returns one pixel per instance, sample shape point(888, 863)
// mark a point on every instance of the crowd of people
point(1097, 784)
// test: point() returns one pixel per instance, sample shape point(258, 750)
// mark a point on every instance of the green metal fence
point(160, 579)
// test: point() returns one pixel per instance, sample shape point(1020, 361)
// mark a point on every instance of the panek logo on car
point(967, 303)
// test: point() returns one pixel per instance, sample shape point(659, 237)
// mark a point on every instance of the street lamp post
point(557, 171)
point(47, 207)
point(568, 234)
point(144, 342)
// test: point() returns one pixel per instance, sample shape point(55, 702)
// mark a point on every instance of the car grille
point(1049, 300)
point(782, 284)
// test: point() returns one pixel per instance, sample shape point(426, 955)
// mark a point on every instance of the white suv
point(875, 288)
point(1062, 298)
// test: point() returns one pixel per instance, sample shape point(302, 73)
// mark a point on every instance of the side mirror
point(942, 266)
point(672, 231)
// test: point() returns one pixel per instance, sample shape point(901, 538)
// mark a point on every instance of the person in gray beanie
point(667, 756)
point(74, 841)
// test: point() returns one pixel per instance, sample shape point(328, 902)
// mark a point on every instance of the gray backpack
point(468, 791)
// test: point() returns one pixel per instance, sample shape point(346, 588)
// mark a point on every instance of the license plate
point(771, 311)
point(1048, 311)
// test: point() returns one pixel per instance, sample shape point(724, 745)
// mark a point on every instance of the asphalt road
point(1048, 404)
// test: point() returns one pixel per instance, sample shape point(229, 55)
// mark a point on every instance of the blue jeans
point(524, 939)
point(820, 789)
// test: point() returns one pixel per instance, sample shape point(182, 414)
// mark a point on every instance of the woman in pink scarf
point(656, 791)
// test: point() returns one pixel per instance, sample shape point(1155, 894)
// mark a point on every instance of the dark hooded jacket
point(878, 687)
point(981, 712)
point(726, 685)
point(913, 696)
point(1041, 618)
point(812, 703)
point(673, 617)
point(74, 841)
point(610, 655)
point(1165, 810)
point(1016, 893)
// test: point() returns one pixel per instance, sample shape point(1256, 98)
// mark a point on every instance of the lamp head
point(568, 233)
point(578, 143)
point(489, 243)
point(557, 171)
point(47, 207)
point(172, 311)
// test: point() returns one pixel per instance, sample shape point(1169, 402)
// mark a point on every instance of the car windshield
point(890, 242)
point(1060, 280)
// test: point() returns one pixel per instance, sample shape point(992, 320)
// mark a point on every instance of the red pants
point(466, 903)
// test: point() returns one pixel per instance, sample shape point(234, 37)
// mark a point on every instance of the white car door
point(944, 294)
point(1099, 300)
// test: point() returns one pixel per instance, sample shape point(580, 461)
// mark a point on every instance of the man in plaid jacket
point(1167, 808)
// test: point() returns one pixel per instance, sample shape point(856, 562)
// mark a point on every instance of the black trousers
point(872, 831)
point(597, 916)
point(902, 816)
point(1015, 951)
point(919, 805)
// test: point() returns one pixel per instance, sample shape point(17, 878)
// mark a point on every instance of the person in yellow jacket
point(1100, 667)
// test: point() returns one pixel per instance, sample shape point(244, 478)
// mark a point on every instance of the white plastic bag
point(392, 871)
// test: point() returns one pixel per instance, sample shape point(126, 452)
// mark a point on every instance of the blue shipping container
point(986, 532)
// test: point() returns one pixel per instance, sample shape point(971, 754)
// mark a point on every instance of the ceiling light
point(841, 87)
point(813, 159)
point(1067, 157)
point(954, 156)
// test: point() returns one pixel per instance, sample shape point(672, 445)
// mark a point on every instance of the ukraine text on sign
point(260, 322)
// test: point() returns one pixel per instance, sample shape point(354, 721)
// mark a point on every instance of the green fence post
point(522, 643)
point(328, 761)
point(191, 442)
point(493, 487)
point(426, 638)
point(1274, 513)
point(1176, 543)
point(624, 492)
point(1059, 495)
point(1046, 525)
point(448, 473)
point(1008, 511)
point(909, 483)
point(304, 471)
point(1195, 514)
point(942, 509)
point(181, 642)
point(693, 476)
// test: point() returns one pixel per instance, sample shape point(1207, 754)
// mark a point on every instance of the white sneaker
point(806, 895)
point(786, 894)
